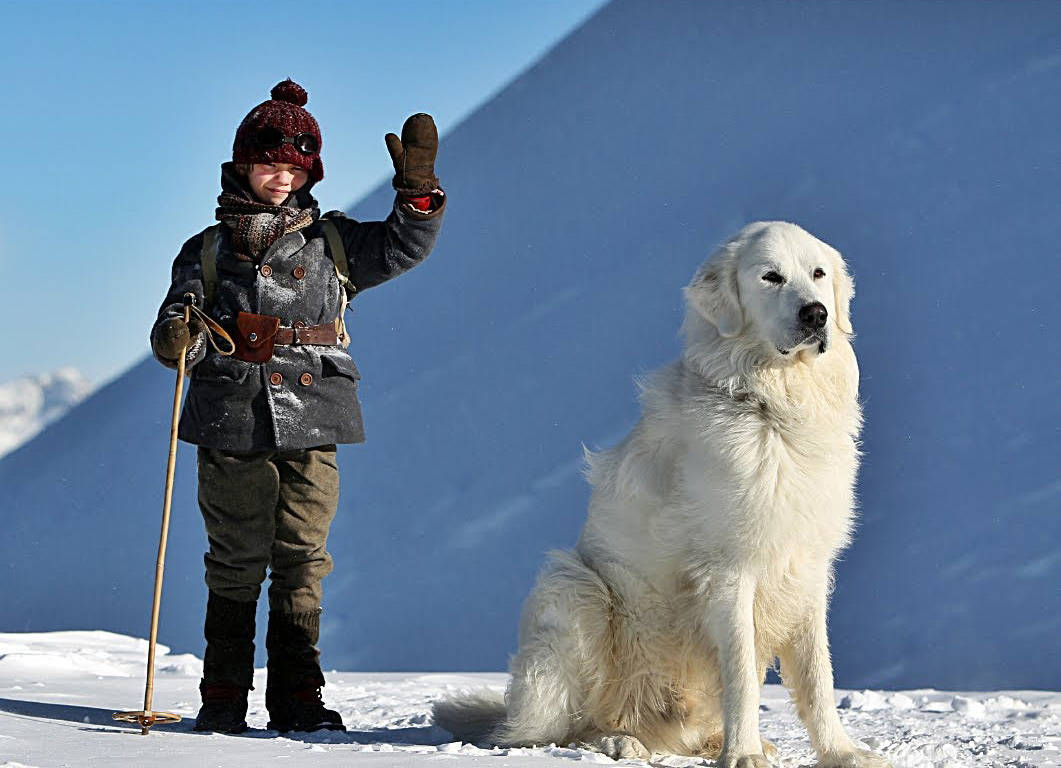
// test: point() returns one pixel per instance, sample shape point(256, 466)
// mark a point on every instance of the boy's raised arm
point(380, 250)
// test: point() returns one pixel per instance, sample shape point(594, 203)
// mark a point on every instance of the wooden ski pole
point(146, 718)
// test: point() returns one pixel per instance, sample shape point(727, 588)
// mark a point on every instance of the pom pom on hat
point(291, 92)
point(284, 112)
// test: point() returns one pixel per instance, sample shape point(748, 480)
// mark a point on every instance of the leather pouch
point(255, 337)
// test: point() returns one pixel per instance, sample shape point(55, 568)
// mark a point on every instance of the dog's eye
point(819, 273)
point(773, 277)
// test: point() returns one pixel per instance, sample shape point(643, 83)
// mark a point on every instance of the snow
point(29, 404)
point(58, 691)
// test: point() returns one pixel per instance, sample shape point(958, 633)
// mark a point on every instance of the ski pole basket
point(147, 719)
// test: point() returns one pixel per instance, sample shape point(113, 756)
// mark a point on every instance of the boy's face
point(273, 183)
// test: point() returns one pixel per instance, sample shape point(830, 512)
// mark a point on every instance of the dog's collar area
point(742, 396)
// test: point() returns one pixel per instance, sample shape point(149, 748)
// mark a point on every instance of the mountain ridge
point(581, 200)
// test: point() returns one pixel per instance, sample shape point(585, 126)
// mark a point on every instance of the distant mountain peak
point(30, 403)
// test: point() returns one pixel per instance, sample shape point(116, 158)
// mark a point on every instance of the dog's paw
point(619, 746)
point(712, 748)
point(742, 761)
point(857, 758)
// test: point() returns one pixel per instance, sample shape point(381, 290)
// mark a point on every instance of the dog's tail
point(471, 717)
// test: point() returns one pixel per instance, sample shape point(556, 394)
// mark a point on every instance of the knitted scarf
point(255, 226)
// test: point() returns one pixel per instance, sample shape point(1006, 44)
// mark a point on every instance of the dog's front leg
point(731, 626)
point(808, 671)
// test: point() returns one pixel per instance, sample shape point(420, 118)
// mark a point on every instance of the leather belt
point(307, 334)
point(256, 335)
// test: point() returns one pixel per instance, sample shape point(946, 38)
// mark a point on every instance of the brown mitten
point(173, 336)
point(414, 156)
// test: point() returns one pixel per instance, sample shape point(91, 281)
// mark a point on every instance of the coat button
point(299, 272)
point(266, 270)
point(305, 379)
point(276, 379)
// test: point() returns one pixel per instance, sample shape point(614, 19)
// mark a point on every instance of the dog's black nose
point(814, 315)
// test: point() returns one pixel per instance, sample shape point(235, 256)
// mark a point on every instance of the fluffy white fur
point(712, 530)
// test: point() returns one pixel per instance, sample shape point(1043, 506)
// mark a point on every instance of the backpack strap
point(208, 259)
point(335, 245)
point(342, 271)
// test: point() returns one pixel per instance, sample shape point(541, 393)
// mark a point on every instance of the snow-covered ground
point(58, 691)
point(30, 403)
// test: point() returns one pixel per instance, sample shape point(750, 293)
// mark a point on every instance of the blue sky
point(118, 114)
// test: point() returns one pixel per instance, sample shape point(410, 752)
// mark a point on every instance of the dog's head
point(775, 283)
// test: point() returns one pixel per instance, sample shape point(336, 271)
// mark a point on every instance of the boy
point(267, 419)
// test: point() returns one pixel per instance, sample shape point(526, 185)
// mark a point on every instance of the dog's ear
point(714, 294)
point(843, 292)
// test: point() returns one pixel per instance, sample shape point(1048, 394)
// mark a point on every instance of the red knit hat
point(283, 113)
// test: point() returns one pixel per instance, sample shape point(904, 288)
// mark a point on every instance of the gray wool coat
point(234, 405)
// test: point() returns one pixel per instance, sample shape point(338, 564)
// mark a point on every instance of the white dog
point(711, 534)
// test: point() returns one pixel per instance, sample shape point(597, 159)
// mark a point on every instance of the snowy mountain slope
point(29, 404)
point(58, 691)
point(917, 138)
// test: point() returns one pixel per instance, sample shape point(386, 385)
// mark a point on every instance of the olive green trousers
point(269, 511)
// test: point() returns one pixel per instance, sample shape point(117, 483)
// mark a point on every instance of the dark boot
point(228, 665)
point(224, 708)
point(293, 692)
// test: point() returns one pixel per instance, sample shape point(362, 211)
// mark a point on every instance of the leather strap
point(313, 334)
point(214, 332)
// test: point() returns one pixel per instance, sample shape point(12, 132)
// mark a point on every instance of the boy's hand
point(414, 155)
point(173, 336)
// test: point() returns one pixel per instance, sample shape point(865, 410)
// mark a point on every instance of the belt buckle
point(295, 328)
